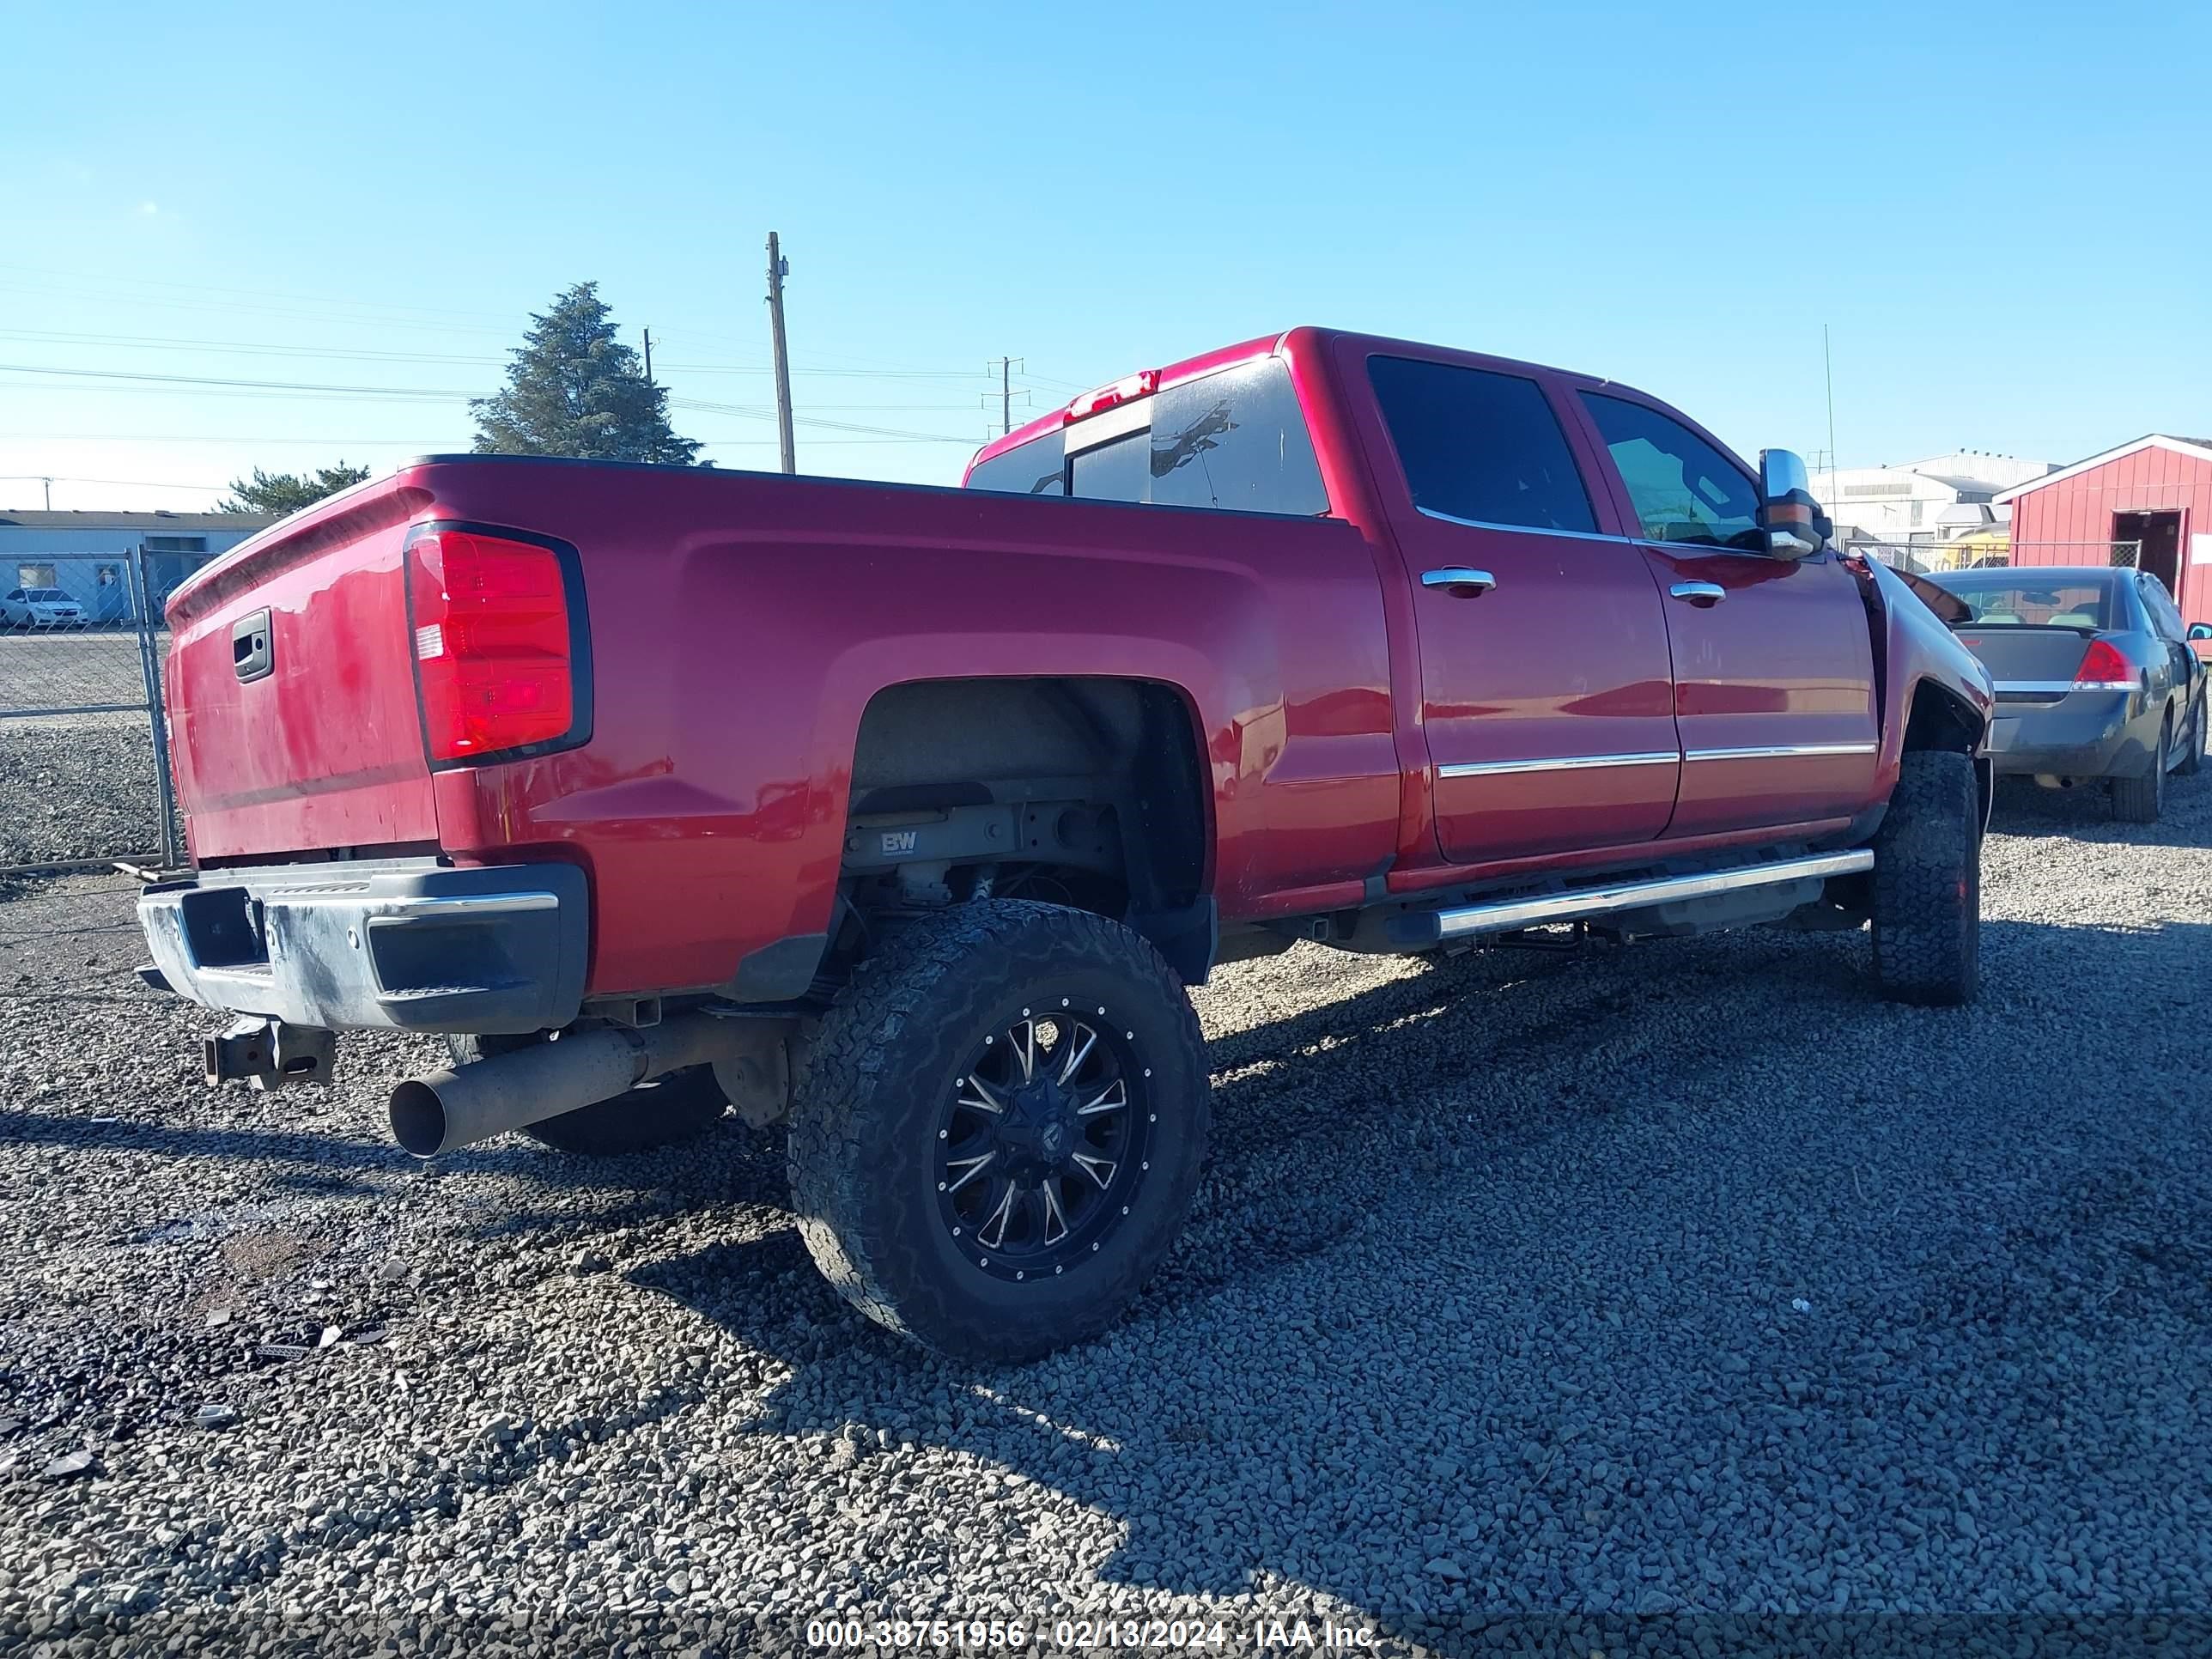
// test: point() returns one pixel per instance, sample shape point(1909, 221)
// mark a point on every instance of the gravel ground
point(1524, 1293)
point(81, 787)
point(76, 786)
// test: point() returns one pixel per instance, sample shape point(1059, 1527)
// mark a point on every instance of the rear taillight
point(2104, 669)
point(494, 645)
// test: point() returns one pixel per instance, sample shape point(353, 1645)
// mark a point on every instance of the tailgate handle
point(250, 647)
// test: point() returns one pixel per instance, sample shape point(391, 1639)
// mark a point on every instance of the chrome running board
point(1504, 916)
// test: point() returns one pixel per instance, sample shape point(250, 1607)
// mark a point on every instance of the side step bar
point(1504, 916)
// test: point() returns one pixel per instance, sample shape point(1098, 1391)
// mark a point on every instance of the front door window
point(1683, 489)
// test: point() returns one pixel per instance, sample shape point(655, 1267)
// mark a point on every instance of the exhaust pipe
point(451, 1109)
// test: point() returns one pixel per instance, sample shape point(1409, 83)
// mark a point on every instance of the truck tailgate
point(290, 680)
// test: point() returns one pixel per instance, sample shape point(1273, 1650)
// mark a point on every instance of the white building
point(1937, 500)
point(87, 554)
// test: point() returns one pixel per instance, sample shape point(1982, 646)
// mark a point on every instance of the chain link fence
point(84, 765)
point(1994, 552)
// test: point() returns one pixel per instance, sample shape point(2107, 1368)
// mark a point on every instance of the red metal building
point(2155, 492)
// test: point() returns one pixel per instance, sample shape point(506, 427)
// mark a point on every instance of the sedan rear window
point(2013, 601)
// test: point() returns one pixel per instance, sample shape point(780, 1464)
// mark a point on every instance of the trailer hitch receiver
point(267, 1055)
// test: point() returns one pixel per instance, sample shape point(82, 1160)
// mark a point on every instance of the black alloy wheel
point(1042, 1148)
point(997, 1129)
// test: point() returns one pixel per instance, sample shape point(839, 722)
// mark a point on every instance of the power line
point(760, 413)
point(126, 483)
point(219, 381)
point(256, 348)
point(122, 279)
point(262, 348)
point(376, 314)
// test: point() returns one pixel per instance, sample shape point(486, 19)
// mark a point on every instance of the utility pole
point(1005, 367)
point(648, 356)
point(1828, 362)
point(49, 483)
point(778, 269)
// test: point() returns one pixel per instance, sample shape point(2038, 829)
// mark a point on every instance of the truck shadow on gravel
point(1518, 1286)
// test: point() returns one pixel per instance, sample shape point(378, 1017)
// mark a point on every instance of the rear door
point(2169, 639)
point(1545, 687)
point(1773, 665)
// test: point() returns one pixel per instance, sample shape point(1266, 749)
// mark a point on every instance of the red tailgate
point(302, 734)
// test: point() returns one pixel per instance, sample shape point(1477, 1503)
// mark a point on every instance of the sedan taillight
point(2104, 669)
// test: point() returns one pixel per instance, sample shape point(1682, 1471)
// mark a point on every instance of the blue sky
point(2000, 211)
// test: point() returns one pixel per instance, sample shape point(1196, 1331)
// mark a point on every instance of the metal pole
point(1006, 396)
point(778, 267)
point(1828, 362)
point(150, 664)
point(648, 356)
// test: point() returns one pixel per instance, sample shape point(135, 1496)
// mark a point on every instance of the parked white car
point(39, 607)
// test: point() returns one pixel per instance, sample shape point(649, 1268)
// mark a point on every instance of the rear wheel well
point(1073, 790)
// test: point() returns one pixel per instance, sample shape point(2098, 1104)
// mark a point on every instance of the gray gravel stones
point(81, 788)
point(1526, 1295)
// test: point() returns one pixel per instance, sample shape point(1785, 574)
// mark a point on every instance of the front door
point(1545, 685)
point(1773, 662)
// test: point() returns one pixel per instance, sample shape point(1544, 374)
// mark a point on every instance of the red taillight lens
point(2104, 669)
point(492, 643)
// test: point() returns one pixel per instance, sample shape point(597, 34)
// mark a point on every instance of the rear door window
point(1683, 489)
point(1480, 447)
point(2164, 616)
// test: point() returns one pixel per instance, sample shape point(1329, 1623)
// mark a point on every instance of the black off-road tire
point(868, 1106)
point(2142, 800)
point(664, 1112)
point(2192, 753)
point(1927, 883)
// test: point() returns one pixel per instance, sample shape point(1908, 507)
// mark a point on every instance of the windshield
point(46, 593)
point(2013, 600)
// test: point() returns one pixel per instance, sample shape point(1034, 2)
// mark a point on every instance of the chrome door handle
point(1459, 581)
point(1699, 593)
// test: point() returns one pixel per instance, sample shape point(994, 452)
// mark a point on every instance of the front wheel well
point(1938, 719)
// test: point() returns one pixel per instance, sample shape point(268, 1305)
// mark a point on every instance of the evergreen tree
point(287, 492)
point(574, 390)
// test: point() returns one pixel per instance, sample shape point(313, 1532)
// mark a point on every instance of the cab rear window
point(1235, 438)
point(1030, 469)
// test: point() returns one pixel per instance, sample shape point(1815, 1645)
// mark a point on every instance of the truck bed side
point(740, 625)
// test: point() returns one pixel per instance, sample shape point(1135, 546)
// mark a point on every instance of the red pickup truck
point(905, 815)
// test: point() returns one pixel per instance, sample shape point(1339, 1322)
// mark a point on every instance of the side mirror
point(2200, 630)
point(1795, 525)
